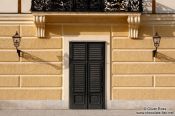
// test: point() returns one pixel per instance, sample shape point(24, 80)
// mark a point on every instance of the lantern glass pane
point(16, 39)
point(156, 40)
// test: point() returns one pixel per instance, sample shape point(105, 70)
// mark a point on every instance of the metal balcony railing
point(87, 5)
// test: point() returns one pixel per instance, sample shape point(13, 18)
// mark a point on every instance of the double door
point(87, 75)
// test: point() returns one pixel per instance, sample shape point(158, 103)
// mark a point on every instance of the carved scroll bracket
point(134, 23)
point(40, 24)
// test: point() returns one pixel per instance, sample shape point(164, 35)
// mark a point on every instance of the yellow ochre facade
point(132, 73)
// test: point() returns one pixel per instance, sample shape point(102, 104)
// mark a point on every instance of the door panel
point(96, 52)
point(96, 84)
point(87, 75)
point(78, 85)
point(95, 77)
point(78, 52)
point(79, 70)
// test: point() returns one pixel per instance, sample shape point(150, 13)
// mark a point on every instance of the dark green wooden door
point(87, 75)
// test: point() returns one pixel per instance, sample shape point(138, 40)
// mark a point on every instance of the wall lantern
point(156, 40)
point(16, 41)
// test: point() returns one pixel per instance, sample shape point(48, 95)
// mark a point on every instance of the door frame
point(85, 38)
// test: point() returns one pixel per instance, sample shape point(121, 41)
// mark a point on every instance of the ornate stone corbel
point(40, 24)
point(134, 23)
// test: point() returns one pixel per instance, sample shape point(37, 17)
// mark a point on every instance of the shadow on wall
point(160, 8)
point(32, 58)
point(66, 60)
point(81, 25)
point(164, 9)
point(164, 58)
point(165, 29)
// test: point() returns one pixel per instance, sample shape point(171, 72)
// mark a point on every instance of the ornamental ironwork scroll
point(87, 5)
point(123, 5)
point(52, 5)
point(38, 5)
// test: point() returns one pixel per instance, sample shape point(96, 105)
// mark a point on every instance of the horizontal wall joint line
point(30, 88)
point(154, 88)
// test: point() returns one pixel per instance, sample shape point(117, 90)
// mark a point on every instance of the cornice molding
point(158, 19)
point(133, 20)
point(86, 13)
point(16, 18)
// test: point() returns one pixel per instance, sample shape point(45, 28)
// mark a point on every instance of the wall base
point(32, 104)
point(58, 104)
point(141, 104)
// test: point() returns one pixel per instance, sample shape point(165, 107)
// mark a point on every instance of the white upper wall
point(11, 6)
point(8, 6)
point(163, 6)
